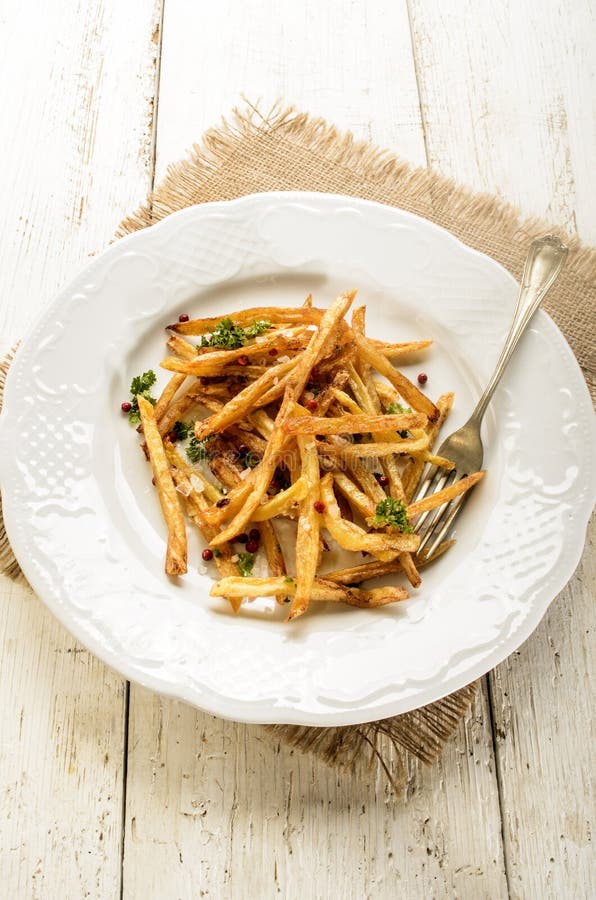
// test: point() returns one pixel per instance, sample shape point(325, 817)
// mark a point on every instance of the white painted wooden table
point(109, 791)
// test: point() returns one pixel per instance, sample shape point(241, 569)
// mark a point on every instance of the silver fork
point(544, 261)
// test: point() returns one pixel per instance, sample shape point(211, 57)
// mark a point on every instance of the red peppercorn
point(315, 373)
point(183, 317)
point(273, 352)
point(153, 480)
point(252, 546)
point(207, 554)
point(172, 436)
point(243, 360)
point(126, 406)
point(383, 480)
point(422, 378)
point(242, 538)
point(311, 404)
point(319, 506)
point(203, 381)
point(254, 534)
point(223, 502)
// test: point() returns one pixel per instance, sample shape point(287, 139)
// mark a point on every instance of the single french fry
point(354, 424)
point(194, 502)
point(167, 395)
point(309, 523)
point(363, 451)
point(181, 347)
point(166, 491)
point(322, 590)
point(367, 480)
point(408, 391)
point(367, 571)
point(274, 554)
point(397, 351)
point(276, 315)
point(363, 504)
point(448, 493)
point(279, 504)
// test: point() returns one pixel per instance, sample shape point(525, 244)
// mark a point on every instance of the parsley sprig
point(182, 430)
point(229, 336)
point(196, 450)
point(142, 385)
point(394, 513)
point(246, 562)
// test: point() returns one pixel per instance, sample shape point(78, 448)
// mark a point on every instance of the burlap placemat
point(288, 151)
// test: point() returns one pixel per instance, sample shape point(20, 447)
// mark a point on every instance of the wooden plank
point(218, 809)
point(212, 807)
point(544, 700)
point(507, 100)
point(77, 135)
point(527, 130)
point(351, 64)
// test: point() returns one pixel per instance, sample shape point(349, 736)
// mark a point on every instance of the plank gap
point(500, 793)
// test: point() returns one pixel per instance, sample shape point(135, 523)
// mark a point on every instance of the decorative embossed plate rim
point(84, 525)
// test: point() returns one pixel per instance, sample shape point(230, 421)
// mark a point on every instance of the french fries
point(293, 414)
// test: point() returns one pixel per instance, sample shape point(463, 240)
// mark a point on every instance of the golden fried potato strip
point(309, 523)
point(322, 590)
point(448, 493)
point(166, 491)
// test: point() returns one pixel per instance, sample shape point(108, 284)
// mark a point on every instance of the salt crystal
point(260, 339)
point(309, 395)
point(196, 483)
point(235, 557)
point(276, 380)
point(283, 359)
point(202, 570)
point(184, 489)
point(245, 473)
point(288, 333)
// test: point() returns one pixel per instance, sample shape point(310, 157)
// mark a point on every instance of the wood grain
point(217, 809)
point(77, 153)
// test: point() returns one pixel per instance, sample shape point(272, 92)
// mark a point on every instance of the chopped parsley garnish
point(216, 553)
point(142, 385)
point(394, 513)
point(396, 409)
point(182, 430)
point(288, 579)
point(246, 562)
point(229, 336)
point(196, 450)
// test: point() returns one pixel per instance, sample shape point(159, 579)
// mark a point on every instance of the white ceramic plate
point(83, 518)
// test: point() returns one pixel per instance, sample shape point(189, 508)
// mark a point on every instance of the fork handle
point(546, 257)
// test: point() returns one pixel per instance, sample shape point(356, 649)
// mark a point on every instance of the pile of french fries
point(307, 402)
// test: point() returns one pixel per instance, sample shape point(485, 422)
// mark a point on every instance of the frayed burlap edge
point(240, 157)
